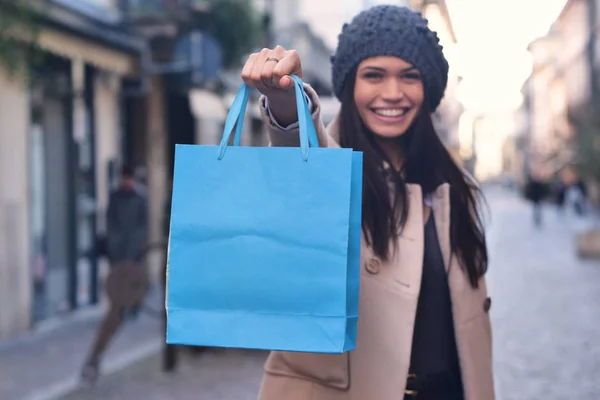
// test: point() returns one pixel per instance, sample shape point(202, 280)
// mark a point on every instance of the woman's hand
point(268, 72)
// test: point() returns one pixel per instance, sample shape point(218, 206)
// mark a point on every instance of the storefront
point(75, 141)
point(62, 186)
point(59, 136)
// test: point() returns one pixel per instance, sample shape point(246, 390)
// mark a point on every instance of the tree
point(233, 23)
point(18, 33)
point(236, 25)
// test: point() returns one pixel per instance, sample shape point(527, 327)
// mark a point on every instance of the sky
point(491, 53)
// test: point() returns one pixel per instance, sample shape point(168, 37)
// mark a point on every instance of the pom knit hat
point(392, 31)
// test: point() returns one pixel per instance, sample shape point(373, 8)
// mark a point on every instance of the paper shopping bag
point(264, 245)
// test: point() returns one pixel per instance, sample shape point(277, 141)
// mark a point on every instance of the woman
point(424, 329)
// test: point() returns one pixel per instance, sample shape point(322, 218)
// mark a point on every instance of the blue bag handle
point(235, 116)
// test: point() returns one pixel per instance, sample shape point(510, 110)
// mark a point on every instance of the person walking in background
point(576, 197)
point(535, 193)
point(126, 239)
point(127, 219)
point(423, 327)
point(574, 192)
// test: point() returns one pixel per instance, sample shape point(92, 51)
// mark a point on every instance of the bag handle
point(235, 116)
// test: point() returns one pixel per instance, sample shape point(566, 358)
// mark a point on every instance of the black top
point(434, 346)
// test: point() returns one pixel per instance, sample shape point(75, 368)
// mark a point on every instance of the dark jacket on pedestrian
point(127, 222)
point(535, 191)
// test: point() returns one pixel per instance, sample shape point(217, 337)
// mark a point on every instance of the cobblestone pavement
point(545, 313)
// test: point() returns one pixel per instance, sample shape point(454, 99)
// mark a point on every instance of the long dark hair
point(426, 162)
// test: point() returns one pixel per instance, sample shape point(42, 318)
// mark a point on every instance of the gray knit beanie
point(392, 31)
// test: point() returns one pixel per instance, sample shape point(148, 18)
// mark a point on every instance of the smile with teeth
point(390, 112)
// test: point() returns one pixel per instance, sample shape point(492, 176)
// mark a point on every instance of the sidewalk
point(45, 365)
point(216, 374)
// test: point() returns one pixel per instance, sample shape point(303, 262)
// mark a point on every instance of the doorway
point(62, 196)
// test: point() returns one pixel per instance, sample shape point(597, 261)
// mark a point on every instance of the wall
point(15, 282)
point(108, 137)
point(573, 25)
point(560, 81)
point(156, 164)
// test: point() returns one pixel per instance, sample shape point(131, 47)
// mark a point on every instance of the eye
point(372, 75)
point(412, 76)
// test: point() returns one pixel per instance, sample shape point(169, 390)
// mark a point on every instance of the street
point(546, 307)
point(545, 312)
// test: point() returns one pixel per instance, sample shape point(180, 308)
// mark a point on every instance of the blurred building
point(60, 137)
point(447, 116)
point(563, 83)
point(515, 150)
point(292, 31)
point(122, 81)
point(493, 140)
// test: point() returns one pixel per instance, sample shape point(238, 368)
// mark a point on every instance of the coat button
point(487, 304)
point(372, 266)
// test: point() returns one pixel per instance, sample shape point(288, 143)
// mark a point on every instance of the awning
point(74, 47)
point(206, 105)
point(77, 48)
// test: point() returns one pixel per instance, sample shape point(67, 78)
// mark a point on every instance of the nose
point(393, 90)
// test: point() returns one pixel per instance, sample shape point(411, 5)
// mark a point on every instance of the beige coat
point(378, 368)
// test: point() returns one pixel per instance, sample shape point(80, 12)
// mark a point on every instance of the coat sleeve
point(291, 137)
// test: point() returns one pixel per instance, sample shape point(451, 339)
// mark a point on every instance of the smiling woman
point(388, 94)
point(423, 326)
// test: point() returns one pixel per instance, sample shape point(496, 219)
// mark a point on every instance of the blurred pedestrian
point(535, 192)
point(126, 238)
point(559, 195)
point(575, 193)
point(423, 324)
point(576, 197)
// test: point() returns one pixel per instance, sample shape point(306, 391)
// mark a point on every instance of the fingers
point(272, 59)
point(247, 70)
point(256, 75)
point(268, 70)
point(289, 64)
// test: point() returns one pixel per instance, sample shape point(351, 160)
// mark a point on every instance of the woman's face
point(388, 94)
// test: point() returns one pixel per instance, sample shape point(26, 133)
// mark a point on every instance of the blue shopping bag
point(264, 246)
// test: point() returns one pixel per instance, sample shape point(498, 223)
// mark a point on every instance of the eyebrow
point(379, 69)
